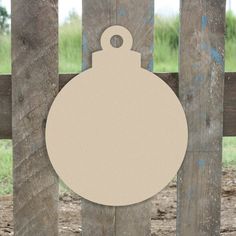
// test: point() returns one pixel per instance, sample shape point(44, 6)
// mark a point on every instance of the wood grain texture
point(5, 107)
point(172, 79)
point(229, 114)
point(97, 220)
point(138, 17)
point(34, 86)
point(201, 88)
point(134, 219)
point(97, 16)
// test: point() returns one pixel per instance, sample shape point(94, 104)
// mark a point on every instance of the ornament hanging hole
point(110, 34)
point(116, 41)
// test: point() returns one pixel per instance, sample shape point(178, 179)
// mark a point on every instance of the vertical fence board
point(138, 17)
point(97, 16)
point(201, 92)
point(34, 86)
point(97, 220)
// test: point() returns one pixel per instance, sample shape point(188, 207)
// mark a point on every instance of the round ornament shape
point(116, 134)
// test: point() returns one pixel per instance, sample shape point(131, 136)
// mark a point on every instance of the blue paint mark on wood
point(199, 78)
point(121, 12)
point(216, 56)
point(204, 23)
point(201, 163)
point(150, 65)
point(84, 42)
point(85, 50)
point(196, 65)
point(190, 192)
point(204, 46)
point(151, 20)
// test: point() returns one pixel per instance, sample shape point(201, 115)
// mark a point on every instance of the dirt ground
point(163, 211)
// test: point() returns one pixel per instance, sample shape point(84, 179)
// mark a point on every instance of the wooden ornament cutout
point(116, 134)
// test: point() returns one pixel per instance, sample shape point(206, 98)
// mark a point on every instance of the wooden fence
point(206, 92)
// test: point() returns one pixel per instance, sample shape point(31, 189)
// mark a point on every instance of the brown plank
point(5, 107)
point(138, 17)
point(101, 220)
point(97, 220)
point(229, 121)
point(201, 87)
point(171, 79)
point(34, 86)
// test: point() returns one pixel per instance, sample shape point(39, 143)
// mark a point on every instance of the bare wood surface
point(5, 107)
point(134, 219)
point(34, 86)
point(229, 124)
point(229, 112)
point(138, 17)
point(201, 88)
point(97, 220)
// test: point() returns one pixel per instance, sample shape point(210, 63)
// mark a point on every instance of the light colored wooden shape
point(115, 124)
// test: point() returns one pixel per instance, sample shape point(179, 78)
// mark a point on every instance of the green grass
point(165, 60)
point(165, 51)
point(230, 55)
point(229, 151)
point(5, 167)
point(229, 159)
point(166, 44)
point(6, 184)
point(70, 46)
point(5, 54)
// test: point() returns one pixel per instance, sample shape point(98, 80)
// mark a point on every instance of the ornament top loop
point(116, 30)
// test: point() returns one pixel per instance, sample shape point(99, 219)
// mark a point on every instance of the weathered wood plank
point(171, 79)
point(97, 220)
point(138, 17)
point(229, 113)
point(134, 219)
point(34, 86)
point(5, 107)
point(201, 88)
point(102, 220)
point(97, 16)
